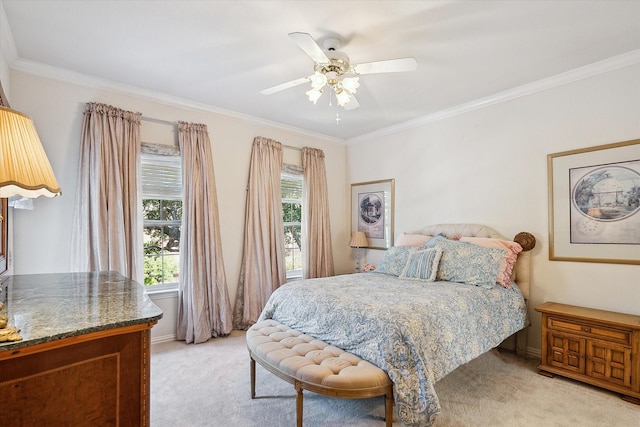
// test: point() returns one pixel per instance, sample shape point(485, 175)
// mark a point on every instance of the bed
point(417, 325)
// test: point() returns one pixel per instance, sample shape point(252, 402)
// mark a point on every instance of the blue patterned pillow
point(394, 260)
point(422, 265)
point(466, 263)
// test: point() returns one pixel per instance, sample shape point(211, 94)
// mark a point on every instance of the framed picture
point(594, 204)
point(372, 211)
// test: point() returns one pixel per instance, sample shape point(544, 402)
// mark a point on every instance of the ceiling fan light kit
point(334, 70)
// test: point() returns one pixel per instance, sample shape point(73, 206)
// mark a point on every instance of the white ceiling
point(222, 53)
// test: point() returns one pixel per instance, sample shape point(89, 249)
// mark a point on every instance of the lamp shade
point(350, 84)
point(24, 167)
point(343, 97)
point(358, 240)
point(314, 94)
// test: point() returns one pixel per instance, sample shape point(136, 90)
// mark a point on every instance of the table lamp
point(358, 240)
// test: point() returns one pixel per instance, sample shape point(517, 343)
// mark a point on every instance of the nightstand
point(597, 347)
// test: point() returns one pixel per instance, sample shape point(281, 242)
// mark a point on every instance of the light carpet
point(209, 385)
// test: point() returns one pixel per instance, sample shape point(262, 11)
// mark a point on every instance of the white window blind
point(291, 188)
point(161, 177)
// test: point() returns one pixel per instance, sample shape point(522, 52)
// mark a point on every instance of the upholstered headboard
point(527, 241)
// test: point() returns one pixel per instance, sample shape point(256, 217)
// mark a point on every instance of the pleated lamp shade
point(358, 240)
point(24, 167)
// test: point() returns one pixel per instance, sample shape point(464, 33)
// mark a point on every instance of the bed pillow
point(408, 239)
point(464, 262)
point(394, 260)
point(422, 265)
point(508, 262)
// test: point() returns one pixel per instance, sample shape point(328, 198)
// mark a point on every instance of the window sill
point(157, 290)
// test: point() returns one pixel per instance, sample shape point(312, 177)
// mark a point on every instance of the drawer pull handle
point(586, 329)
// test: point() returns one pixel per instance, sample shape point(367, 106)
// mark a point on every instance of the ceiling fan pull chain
point(337, 116)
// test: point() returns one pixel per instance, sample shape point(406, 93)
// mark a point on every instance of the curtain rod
point(291, 147)
point(167, 122)
point(160, 121)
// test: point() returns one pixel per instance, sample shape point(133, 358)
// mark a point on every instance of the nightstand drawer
point(591, 330)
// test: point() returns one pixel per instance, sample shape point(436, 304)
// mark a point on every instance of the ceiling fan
point(332, 69)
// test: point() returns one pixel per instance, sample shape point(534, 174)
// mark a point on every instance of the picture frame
point(594, 204)
point(372, 211)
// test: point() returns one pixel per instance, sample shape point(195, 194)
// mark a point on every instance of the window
point(291, 188)
point(162, 217)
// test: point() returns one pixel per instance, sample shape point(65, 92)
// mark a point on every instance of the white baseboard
point(163, 338)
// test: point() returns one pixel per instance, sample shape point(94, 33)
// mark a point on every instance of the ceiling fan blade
point(388, 66)
point(284, 86)
point(352, 104)
point(311, 48)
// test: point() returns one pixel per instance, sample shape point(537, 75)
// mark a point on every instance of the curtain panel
point(316, 229)
point(107, 231)
point(263, 268)
point(204, 309)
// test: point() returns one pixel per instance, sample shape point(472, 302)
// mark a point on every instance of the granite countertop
point(49, 307)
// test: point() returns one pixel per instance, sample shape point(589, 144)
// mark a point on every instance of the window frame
point(161, 154)
point(292, 172)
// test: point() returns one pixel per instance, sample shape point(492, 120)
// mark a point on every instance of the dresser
point(84, 357)
point(597, 347)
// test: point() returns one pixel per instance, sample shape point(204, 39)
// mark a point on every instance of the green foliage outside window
point(292, 214)
point(161, 237)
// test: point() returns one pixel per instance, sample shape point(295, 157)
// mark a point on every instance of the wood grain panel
point(102, 381)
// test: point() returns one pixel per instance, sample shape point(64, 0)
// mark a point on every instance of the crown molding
point(81, 79)
point(7, 47)
point(604, 66)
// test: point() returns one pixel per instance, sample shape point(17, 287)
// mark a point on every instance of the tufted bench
point(313, 365)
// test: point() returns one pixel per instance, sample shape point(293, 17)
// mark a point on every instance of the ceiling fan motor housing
point(338, 65)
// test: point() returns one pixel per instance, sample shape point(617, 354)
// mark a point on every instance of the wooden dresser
point(598, 347)
point(85, 354)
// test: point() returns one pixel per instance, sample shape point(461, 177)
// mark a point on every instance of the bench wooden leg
point(388, 408)
point(253, 378)
point(298, 405)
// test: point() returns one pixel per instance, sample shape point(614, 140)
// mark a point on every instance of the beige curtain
point(204, 310)
point(107, 232)
point(316, 229)
point(263, 268)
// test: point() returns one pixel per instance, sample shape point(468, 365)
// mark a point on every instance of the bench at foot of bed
point(313, 365)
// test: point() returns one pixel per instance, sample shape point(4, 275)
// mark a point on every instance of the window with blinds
point(291, 189)
point(162, 217)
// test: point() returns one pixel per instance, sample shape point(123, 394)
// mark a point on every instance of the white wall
point(486, 166)
point(6, 48)
point(6, 44)
point(489, 166)
point(42, 236)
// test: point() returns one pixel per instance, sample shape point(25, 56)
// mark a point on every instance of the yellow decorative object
point(10, 333)
point(7, 333)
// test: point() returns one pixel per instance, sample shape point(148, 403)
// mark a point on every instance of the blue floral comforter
point(417, 332)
